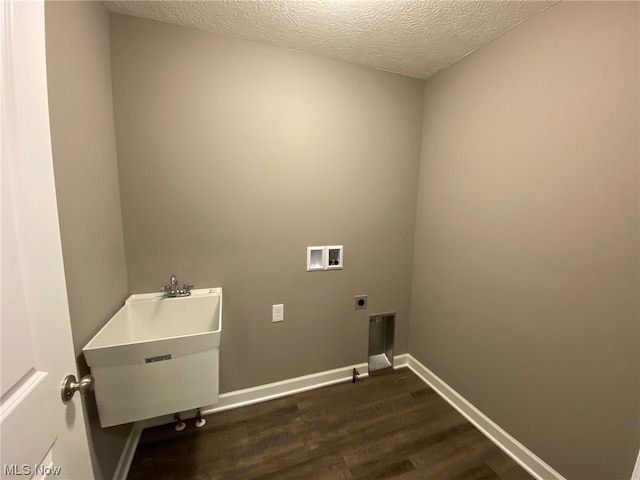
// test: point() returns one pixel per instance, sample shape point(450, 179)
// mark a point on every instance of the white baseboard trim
point(270, 391)
point(129, 450)
point(636, 470)
point(400, 361)
point(509, 445)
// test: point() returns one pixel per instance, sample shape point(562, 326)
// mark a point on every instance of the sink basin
point(157, 356)
point(149, 324)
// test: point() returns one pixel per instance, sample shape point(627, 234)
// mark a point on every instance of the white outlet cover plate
point(277, 313)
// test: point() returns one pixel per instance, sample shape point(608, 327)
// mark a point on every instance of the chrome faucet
point(173, 289)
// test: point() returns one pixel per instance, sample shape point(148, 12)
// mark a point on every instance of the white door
point(40, 435)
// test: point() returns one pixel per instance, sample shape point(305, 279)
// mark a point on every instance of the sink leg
point(199, 420)
point(180, 425)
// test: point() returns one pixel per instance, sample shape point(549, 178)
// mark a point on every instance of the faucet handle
point(187, 287)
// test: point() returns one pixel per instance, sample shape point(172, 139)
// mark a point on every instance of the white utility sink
point(157, 356)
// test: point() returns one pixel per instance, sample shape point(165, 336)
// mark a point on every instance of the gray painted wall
point(86, 175)
point(525, 284)
point(234, 157)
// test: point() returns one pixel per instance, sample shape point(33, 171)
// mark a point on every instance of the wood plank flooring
point(388, 425)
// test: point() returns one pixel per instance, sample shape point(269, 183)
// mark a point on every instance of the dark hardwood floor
point(389, 425)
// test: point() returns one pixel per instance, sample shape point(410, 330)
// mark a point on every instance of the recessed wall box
point(334, 257)
point(381, 333)
point(316, 258)
point(324, 258)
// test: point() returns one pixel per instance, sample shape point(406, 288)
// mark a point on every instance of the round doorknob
point(71, 386)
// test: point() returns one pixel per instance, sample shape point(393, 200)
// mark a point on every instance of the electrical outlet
point(360, 302)
point(277, 313)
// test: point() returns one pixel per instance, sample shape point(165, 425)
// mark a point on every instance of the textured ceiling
point(411, 37)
